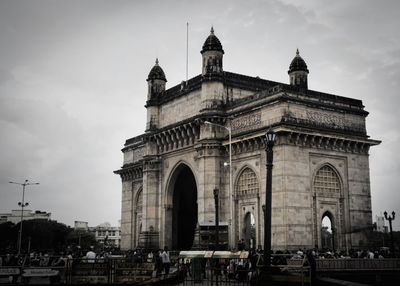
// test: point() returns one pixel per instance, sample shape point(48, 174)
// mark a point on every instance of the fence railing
point(122, 271)
point(80, 271)
point(357, 264)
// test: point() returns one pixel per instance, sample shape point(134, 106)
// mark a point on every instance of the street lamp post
point(269, 144)
point(216, 192)
point(390, 218)
point(22, 204)
point(230, 180)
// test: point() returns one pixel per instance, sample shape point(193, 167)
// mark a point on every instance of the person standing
point(165, 260)
point(91, 255)
point(159, 264)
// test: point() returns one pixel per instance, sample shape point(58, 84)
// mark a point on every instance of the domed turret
point(298, 71)
point(212, 43)
point(212, 54)
point(156, 73)
point(156, 81)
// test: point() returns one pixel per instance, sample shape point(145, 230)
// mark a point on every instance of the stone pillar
point(126, 215)
point(210, 173)
point(149, 237)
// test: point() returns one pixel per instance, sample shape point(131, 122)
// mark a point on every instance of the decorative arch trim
point(139, 195)
point(335, 171)
point(169, 186)
point(256, 182)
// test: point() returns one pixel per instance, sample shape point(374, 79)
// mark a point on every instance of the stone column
point(126, 215)
point(149, 237)
point(210, 178)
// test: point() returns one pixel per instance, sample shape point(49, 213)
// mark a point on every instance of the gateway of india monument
point(320, 167)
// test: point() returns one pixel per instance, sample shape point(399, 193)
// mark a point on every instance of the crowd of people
point(239, 269)
point(51, 259)
point(162, 257)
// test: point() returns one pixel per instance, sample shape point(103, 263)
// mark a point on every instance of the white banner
point(39, 272)
point(9, 271)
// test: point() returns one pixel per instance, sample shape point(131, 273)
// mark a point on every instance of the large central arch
point(183, 214)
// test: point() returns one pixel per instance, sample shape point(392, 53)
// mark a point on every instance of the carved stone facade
point(321, 163)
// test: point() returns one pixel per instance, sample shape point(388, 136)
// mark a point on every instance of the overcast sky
point(73, 83)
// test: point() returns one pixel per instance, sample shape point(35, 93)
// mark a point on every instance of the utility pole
point(22, 204)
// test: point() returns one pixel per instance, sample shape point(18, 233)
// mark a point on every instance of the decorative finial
point(212, 30)
point(157, 61)
point(297, 52)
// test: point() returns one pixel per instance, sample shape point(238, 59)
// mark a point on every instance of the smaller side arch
point(328, 201)
point(328, 236)
point(246, 193)
point(137, 213)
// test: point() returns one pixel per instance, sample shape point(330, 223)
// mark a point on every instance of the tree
point(8, 237)
point(82, 238)
point(38, 234)
point(45, 235)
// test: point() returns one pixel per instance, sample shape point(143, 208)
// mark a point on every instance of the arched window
point(247, 183)
point(326, 181)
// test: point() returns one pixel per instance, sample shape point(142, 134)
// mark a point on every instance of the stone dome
point(156, 73)
point(212, 43)
point(298, 64)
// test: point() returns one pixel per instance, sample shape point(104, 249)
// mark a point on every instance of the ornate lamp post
point(22, 204)
point(230, 180)
point(390, 218)
point(269, 144)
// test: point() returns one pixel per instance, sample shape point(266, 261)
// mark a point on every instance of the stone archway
point(328, 204)
point(249, 231)
point(247, 190)
point(327, 231)
point(181, 219)
point(137, 227)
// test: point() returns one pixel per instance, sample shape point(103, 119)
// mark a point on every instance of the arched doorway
point(327, 239)
point(138, 217)
point(249, 231)
point(328, 208)
point(247, 189)
point(184, 209)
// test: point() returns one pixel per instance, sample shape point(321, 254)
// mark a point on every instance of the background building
point(15, 216)
point(104, 233)
point(321, 165)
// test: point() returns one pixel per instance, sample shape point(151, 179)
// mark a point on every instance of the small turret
point(298, 71)
point(212, 54)
point(156, 81)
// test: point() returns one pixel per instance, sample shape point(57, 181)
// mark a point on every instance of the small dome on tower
point(156, 73)
point(212, 43)
point(298, 64)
